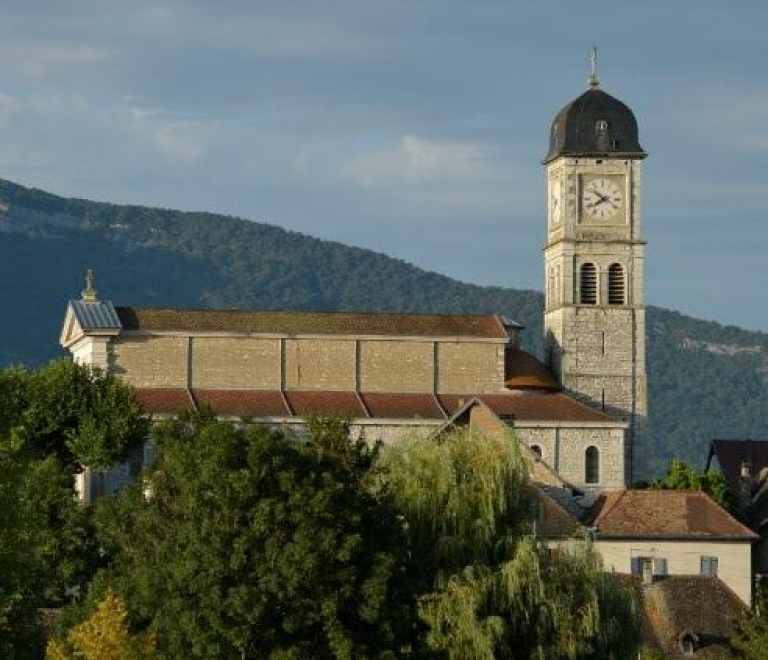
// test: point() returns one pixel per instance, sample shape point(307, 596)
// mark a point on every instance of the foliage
point(489, 590)
point(80, 415)
point(706, 380)
point(681, 476)
point(47, 546)
point(104, 636)
point(751, 639)
point(255, 544)
point(50, 420)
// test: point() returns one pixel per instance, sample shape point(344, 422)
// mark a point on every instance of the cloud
point(418, 161)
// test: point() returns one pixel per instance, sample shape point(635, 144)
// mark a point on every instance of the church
point(580, 413)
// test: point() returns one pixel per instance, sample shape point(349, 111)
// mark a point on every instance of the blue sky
point(411, 127)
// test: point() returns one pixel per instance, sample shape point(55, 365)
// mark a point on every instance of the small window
point(616, 286)
point(592, 465)
point(588, 283)
point(709, 566)
point(536, 449)
point(601, 126)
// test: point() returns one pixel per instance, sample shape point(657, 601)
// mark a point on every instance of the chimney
point(746, 484)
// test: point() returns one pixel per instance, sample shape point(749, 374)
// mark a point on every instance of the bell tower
point(594, 318)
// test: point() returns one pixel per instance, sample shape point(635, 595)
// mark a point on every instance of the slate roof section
point(664, 514)
point(95, 315)
point(523, 372)
point(574, 129)
point(293, 323)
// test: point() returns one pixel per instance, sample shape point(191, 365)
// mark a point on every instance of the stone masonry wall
point(372, 365)
point(564, 449)
point(396, 366)
point(240, 363)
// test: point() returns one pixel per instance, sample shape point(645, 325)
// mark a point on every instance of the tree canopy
point(256, 544)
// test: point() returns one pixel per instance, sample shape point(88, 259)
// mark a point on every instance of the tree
point(104, 636)
point(83, 416)
point(256, 544)
point(51, 420)
point(489, 590)
point(681, 476)
point(751, 638)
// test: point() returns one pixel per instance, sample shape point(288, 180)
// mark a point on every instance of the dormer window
point(601, 126)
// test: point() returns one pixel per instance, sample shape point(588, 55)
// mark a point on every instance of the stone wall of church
point(150, 361)
point(320, 364)
point(331, 364)
point(564, 448)
point(470, 368)
point(397, 366)
point(234, 362)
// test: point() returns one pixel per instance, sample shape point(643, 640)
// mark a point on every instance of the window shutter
point(637, 566)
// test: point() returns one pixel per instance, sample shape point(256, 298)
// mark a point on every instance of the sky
point(411, 127)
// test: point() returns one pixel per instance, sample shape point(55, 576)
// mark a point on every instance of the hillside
point(706, 380)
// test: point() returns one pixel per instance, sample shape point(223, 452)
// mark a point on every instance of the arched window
point(536, 449)
point(592, 465)
point(616, 285)
point(588, 284)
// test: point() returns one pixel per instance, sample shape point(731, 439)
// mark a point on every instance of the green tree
point(81, 415)
point(751, 639)
point(681, 476)
point(255, 544)
point(51, 420)
point(489, 590)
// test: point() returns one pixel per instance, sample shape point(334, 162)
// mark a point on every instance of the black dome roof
point(595, 124)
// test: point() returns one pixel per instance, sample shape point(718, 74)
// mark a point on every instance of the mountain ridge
point(146, 256)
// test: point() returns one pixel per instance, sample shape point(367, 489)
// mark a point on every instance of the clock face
point(555, 201)
point(601, 198)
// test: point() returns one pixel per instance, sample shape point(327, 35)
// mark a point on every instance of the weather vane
point(594, 80)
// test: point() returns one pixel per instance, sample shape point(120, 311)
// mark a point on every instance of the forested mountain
point(706, 380)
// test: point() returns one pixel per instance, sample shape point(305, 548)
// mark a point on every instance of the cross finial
point(594, 80)
point(89, 293)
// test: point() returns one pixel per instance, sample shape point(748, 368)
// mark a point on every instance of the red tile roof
point(324, 403)
point(534, 406)
point(312, 323)
point(406, 405)
point(244, 403)
point(530, 406)
point(664, 514)
point(163, 401)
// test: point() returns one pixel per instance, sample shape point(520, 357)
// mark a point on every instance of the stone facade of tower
point(594, 260)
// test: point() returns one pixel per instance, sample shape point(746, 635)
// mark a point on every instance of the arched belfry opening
point(616, 285)
point(588, 284)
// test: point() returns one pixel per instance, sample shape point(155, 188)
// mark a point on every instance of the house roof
point(697, 604)
point(664, 514)
point(555, 521)
point(523, 371)
point(313, 323)
point(533, 407)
